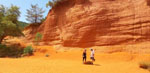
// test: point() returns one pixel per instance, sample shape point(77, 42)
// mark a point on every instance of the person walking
point(84, 55)
point(92, 55)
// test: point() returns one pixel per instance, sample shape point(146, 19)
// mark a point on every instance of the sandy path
point(62, 65)
point(71, 62)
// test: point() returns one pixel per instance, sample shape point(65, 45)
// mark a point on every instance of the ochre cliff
point(87, 23)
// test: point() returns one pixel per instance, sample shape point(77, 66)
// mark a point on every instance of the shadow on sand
point(91, 63)
point(97, 64)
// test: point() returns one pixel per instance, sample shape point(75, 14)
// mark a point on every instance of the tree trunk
point(1, 39)
point(36, 19)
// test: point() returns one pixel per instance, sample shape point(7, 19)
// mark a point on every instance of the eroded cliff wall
point(87, 23)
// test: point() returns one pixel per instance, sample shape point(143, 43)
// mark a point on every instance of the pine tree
point(34, 14)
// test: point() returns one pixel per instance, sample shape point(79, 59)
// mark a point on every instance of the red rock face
point(87, 23)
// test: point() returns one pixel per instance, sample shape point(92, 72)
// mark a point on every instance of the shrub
point(13, 51)
point(54, 3)
point(28, 50)
point(38, 37)
point(47, 55)
point(145, 65)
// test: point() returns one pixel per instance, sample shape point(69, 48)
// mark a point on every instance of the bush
point(13, 51)
point(145, 65)
point(54, 3)
point(47, 55)
point(38, 37)
point(28, 50)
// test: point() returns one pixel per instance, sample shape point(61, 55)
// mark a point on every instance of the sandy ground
point(28, 65)
point(71, 62)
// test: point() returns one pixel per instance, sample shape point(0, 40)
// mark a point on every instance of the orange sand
point(66, 61)
point(41, 65)
point(71, 62)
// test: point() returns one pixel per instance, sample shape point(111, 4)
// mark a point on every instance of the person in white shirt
point(92, 55)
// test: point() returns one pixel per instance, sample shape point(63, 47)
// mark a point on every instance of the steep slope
point(86, 23)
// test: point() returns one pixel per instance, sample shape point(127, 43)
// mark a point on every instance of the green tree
point(13, 14)
point(34, 14)
point(8, 22)
point(38, 37)
point(2, 12)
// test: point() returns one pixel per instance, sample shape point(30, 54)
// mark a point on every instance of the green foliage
point(2, 12)
point(28, 50)
point(34, 14)
point(38, 37)
point(22, 25)
point(15, 51)
point(47, 55)
point(11, 51)
point(50, 4)
point(8, 22)
point(13, 13)
point(54, 3)
point(10, 29)
point(42, 20)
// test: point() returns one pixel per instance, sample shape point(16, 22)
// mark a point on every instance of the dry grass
point(144, 65)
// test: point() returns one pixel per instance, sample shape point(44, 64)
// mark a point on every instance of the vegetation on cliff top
point(35, 14)
point(54, 3)
point(22, 24)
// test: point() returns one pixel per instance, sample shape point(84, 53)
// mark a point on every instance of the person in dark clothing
point(84, 55)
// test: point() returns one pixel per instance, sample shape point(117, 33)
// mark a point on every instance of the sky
point(24, 5)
